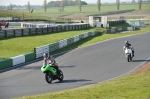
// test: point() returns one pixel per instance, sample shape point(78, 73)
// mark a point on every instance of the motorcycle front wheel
point(60, 75)
point(48, 77)
point(128, 58)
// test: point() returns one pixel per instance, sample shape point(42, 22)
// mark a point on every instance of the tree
point(99, 4)
point(29, 6)
point(62, 5)
point(69, 2)
point(10, 6)
point(140, 4)
point(83, 3)
point(76, 2)
point(45, 5)
point(133, 1)
point(118, 4)
point(80, 5)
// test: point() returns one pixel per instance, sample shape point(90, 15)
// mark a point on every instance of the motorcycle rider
point(50, 60)
point(127, 44)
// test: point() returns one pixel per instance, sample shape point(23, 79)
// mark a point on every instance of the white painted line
point(130, 70)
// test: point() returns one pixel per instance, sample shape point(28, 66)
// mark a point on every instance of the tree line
point(63, 3)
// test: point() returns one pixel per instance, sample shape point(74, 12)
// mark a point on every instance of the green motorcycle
point(51, 73)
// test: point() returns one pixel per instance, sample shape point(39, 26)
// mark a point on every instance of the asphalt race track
point(81, 67)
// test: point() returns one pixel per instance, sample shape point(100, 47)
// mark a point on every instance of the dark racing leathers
point(129, 45)
point(51, 61)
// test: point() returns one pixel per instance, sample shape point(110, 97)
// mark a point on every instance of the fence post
point(22, 32)
point(47, 29)
point(35, 52)
point(52, 29)
point(42, 30)
point(56, 28)
point(14, 33)
point(5, 33)
point(36, 31)
point(29, 31)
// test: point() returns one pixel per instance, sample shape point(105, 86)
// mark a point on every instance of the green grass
point(133, 86)
point(73, 11)
point(10, 47)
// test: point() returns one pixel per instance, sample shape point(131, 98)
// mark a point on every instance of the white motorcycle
point(128, 53)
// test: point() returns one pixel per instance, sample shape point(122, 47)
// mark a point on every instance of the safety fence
point(111, 23)
point(33, 31)
point(120, 29)
point(38, 51)
point(10, 62)
point(139, 23)
point(60, 44)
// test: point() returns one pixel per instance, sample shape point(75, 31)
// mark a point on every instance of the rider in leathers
point(127, 44)
point(50, 60)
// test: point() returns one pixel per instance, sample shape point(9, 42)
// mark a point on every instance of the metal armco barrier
point(120, 29)
point(10, 62)
point(60, 44)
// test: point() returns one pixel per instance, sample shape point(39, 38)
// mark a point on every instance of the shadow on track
point(141, 61)
point(73, 81)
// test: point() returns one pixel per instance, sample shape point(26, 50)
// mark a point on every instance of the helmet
point(45, 55)
point(126, 42)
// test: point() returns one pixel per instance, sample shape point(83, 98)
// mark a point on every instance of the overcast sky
point(40, 2)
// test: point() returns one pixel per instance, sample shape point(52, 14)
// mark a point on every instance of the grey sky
point(40, 2)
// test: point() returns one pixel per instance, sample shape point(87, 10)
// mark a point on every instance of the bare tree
point(80, 5)
point(45, 5)
point(140, 4)
point(118, 4)
point(62, 5)
point(99, 4)
point(10, 6)
point(133, 1)
point(29, 6)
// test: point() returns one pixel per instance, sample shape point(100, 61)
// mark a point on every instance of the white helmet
point(126, 42)
point(45, 55)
